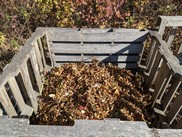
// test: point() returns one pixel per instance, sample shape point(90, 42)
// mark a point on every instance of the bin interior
point(22, 80)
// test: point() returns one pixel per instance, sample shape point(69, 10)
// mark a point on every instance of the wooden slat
point(48, 47)
point(41, 51)
point(96, 30)
point(27, 82)
point(162, 27)
point(180, 49)
point(171, 92)
point(160, 82)
point(171, 36)
point(111, 58)
point(171, 59)
point(141, 57)
point(168, 21)
point(168, 77)
point(107, 30)
point(6, 102)
point(25, 109)
point(151, 75)
point(128, 65)
point(151, 53)
point(97, 48)
point(152, 57)
point(175, 108)
point(121, 65)
point(38, 56)
point(1, 112)
point(59, 35)
point(175, 21)
point(36, 69)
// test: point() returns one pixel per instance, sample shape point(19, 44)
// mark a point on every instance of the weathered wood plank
point(13, 68)
point(168, 21)
point(160, 82)
point(49, 49)
point(168, 77)
point(97, 48)
point(171, 36)
point(121, 65)
point(25, 109)
point(162, 27)
point(41, 51)
point(153, 69)
point(111, 58)
point(38, 57)
point(92, 30)
point(180, 49)
point(172, 60)
point(59, 35)
point(106, 30)
point(150, 59)
point(175, 21)
point(27, 82)
point(171, 92)
point(6, 102)
point(36, 69)
point(175, 109)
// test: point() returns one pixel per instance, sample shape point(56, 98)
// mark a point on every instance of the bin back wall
point(121, 47)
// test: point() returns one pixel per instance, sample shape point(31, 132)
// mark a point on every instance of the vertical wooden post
point(171, 36)
point(162, 27)
point(25, 109)
point(175, 109)
point(160, 82)
point(36, 69)
point(6, 102)
point(153, 69)
point(27, 82)
point(41, 52)
point(171, 92)
point(37, 54)
point(49, 50)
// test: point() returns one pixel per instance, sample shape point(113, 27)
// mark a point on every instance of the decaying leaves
point(91, 91)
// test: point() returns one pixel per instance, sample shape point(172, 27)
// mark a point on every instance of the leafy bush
point(19, 18)
point(2, 39)
point(81, 13)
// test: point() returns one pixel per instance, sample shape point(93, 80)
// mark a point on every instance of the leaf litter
point(91, 91)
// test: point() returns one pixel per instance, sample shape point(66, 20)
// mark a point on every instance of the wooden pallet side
point(21, 81)
point(163, 75)
point(118, 46)
point(168, 21)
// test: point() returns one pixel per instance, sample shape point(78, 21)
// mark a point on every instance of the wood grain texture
point(121, 65)
point(111, 58)
point(175, 109)
point(36, 70)
point(38, 56)
point(160, 82)
point(171, 93)
point(77, 35)
point(97, 48)
point(27, 82)
point(6, 102)
point(25, 109)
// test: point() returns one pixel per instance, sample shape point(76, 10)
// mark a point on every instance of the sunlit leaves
point(91, 91)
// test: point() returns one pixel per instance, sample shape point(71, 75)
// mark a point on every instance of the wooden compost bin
point(21, 80)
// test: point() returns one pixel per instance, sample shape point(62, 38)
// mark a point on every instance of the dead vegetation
point(91, 91)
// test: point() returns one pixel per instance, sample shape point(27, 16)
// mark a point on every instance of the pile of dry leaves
point(91, 91)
